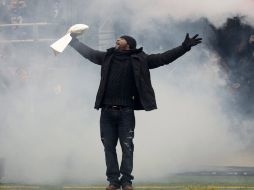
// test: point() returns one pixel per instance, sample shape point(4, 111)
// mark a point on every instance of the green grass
point(172, 183)
point(208, 180)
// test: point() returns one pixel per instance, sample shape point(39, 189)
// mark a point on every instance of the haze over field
point(49, 131)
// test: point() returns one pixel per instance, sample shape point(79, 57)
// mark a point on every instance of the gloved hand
point(189, 42)
point(74, 35)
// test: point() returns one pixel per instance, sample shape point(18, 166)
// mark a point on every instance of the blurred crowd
point(23, 11)
point(18, 17)
point(20, 31)
point(13, 11)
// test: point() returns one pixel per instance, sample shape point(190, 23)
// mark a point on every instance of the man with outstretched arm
point(125, 86)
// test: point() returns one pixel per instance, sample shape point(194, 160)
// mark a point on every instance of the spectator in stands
point(4, 14)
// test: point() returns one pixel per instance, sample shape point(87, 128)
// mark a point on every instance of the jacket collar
point(132, 51)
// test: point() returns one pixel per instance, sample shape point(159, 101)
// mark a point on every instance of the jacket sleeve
point(160, 59)
point(94, 56)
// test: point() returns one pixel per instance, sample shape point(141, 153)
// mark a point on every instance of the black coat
point(141, 63)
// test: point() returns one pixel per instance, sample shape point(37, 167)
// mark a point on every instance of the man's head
point(126, 43)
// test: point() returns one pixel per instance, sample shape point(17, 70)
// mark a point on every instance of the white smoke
point(50, 132)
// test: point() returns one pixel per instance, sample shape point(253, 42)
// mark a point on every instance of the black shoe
point(127, 187)
point(112, 187)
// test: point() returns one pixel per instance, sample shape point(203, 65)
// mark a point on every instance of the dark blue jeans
point(114, 125)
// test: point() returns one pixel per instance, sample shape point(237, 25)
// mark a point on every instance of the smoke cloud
point(49, 131)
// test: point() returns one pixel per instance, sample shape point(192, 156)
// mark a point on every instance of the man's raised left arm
point(160, 59)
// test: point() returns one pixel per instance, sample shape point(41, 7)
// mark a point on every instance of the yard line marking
point(161, 187)
point(158, 187)
point(83, 187)
point(18, 187)
point(136, 187)
point(231, 187)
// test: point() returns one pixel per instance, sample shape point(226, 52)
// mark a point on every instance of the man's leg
point(126, 135)
point(109, 138)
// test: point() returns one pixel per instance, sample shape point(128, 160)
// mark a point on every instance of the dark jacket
point(141, 63)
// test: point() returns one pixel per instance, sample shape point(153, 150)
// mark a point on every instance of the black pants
point(114, 125)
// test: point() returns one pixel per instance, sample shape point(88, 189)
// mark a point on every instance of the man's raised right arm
point(94, 56)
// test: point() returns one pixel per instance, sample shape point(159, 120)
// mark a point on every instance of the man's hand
point(189, 42)
point(74, 35)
